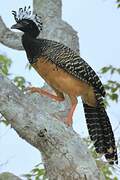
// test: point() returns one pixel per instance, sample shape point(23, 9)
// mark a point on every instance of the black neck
point(29, 44)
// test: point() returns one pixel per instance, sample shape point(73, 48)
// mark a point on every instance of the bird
point(67, 73)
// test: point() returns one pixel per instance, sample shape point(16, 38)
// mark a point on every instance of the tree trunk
point(64, 154)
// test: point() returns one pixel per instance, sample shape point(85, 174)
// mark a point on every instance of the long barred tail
point(101, 133)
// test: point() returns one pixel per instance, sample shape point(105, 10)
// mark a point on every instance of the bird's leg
point(46, 93)
point(74, 102)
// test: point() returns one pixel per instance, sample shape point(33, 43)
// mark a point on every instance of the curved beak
point(16, 26)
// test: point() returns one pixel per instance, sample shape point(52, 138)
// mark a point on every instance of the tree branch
point(64, 154)
point(9, 38)
point(8, 176)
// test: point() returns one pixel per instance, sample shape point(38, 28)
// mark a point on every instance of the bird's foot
point(44, 92)
point(69, 119)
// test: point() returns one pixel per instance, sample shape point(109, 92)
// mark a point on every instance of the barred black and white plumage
point(100, 131)
point(43, 52)
point(67, 59)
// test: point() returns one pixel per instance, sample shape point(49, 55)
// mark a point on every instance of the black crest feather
point(25, 13)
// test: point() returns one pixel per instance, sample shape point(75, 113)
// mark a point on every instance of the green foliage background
point(118, 3)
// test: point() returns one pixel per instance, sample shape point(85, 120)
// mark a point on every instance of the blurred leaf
point(110, 69)
point(112, 86)
point(19, 82)
point(5, 122)
point(41, 172)
point(5, 64)
point(114, 97)
point(29, 66)
point(114, 89)
point(115, 178)
point(37, 172)
point(118, 3)
point(105, 69)
point(118, 70)
point(118, 6)
point(107, 171)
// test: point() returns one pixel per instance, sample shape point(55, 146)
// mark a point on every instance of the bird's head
point(27, 22)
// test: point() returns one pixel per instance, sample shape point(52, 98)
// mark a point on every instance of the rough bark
point(8, 176)
point(64, 154)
